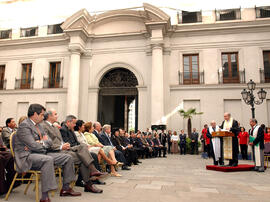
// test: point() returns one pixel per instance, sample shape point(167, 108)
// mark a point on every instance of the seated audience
point(149, 139)
point(159, 146)
point(106, 152)
point(105, 138)
point(129, 151)
point(79, 153)
point(32, 151)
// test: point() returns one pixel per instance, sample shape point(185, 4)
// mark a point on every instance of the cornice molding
point(34, 91)
point(216, 87)
point(34, 40)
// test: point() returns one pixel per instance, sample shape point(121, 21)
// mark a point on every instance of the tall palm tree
point(188, 115)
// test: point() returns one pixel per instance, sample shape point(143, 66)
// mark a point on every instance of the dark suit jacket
point(98, 137)
point(194, 136)
point(260, 138)
point(69, 136)
point(116, 142)
point(26, 136)
point(183, 139)
point(79, 151)
point(105, 139)
point(139, 143)
point(156, 142)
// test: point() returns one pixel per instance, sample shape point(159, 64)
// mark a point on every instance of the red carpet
point(242, 167)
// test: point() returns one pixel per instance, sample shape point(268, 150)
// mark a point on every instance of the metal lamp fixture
point(249, 97)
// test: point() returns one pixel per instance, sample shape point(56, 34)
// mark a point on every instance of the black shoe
point(91, 188)
point(79, 183)
point(135, 164)
point(260, 170)
point(234, 164)
point(164, 156)
point(125, 168)
point(139, 162)
point(98, 182)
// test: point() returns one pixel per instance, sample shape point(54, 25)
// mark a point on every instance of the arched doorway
point(118, 99)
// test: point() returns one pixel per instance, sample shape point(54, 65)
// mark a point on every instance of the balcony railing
point(228, 14)
point(53, 83)
point(186, 81)
point(263, 12)
point(24, 83)
point(240, 78)
point(264, 76)
point(189, 17)
point(3, 84)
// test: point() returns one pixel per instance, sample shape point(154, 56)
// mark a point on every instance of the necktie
point(39, 133)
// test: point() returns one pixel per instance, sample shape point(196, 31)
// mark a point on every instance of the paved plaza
point(176, 178)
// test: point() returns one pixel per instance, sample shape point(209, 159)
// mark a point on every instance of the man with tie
point(106, 140)
point(8, 130)
point(31, 148)
point(79, 153)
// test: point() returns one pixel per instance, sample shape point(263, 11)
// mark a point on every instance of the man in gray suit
point(31, 146)
point(79, 153)
point(8, 130)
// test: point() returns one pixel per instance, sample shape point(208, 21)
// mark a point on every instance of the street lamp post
point(249, 97)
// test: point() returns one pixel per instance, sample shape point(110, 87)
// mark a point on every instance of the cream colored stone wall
point(129, 42)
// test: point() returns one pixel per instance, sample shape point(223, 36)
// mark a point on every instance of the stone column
point(157, 94)
point(73, 82)
point(93, 103)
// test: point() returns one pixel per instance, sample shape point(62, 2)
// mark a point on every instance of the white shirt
point(174, 137)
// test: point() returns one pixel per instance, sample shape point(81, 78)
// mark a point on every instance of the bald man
point(216, 144)
point(232, 125)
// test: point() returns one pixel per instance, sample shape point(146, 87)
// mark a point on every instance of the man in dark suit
point(183, 142)
point(97, 131)
point(169, 135)
point(194, 141)
point(106, 140)
point(79, 153)
point(8, 130)
point(7, 171)
point(152, 145)
point(163, 138)
point(232, 125)
point(257, 135)
point(31, 148)
point(131, 154)
point(159, 146)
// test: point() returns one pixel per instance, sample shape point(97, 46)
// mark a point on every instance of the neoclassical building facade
point(96, 66)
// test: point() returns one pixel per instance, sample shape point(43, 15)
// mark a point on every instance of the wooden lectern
point(222, 134)
point(226, 145)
